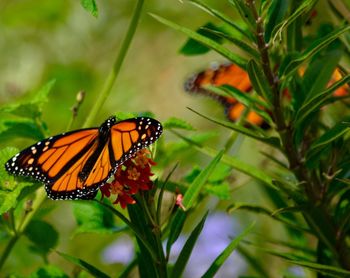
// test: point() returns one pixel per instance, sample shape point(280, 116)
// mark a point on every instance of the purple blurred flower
point(119, 251)
point(217, 233)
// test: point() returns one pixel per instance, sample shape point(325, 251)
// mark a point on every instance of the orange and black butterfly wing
point(117, 142)
point(52, 158)
point(225, 74)
point(74, 165)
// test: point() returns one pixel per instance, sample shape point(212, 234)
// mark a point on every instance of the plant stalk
point(318, 213)
point(112, 76)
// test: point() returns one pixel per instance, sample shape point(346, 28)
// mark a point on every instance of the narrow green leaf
point(83, 265)
point(173, 122)
point(90, 6)
point(245, 12)
point(317, 101)
point(314, 48)
point(43, 235)
point(321, 69)
point(330, 135)
point(177, 223)
point(262, 210)
point(272, 141)
point(237, 42)
point(321, 268)
point(233, 162)
point(186, 251)
point(251, 102)
point(305, 7)
point(259, 81)
point(275, 15)
point(205, 41)
point(146, 253)
point(226, 253)
point(193, 47)
point(188, 200)
point(224, 18)
point(196, 186)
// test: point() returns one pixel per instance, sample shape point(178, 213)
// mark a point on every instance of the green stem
point(39, 199)
point(112, 76)
point(133, 227)
point(8, 249)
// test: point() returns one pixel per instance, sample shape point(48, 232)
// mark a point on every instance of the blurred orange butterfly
point(225, 74)
point(75, 164)
point(233, 75)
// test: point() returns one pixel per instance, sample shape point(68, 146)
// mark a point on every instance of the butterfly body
point(75, 164)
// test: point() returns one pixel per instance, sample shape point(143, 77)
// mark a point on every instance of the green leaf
point(237, 42)
point(223, 18)
point(317, 101)
point(226, 253)
point(43, 235)
point(245, 12)
point(318, 147)
point(10, 188)
point(304, 7)
point(31, 108)
point(20, 128)
point(176, 225)
point(262, 210)
point(248, 100)
point(188, 200)
point(186, 251)
point(233, 162)
point(330, 135)
point(46, 271)
point(196, 186)
point(260, 84)
point(275, 15)
point(173, 122)
point(205, 41)
point(314, 48)
point(222, 190)
point(90, 6)
point(146, 259)
point(7, 182)
point(321, 69)
point(93, 218)
point(193, 47)
point(321, 268)
point(83, 265)
point(273, 141)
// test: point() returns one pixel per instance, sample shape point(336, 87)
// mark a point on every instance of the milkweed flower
point(131, 177)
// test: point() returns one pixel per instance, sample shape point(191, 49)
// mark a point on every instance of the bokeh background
point(42, 40)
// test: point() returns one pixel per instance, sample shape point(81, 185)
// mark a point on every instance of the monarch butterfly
point(233, 75)
point(75, 164)
point(225, 74)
